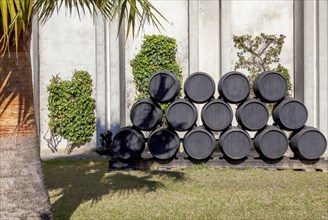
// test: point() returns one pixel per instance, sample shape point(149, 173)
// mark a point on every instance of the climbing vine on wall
point(71, 109)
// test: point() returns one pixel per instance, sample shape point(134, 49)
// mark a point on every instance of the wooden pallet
point(222, 162)
point(217, 160)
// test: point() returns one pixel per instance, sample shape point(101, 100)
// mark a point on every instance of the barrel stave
point(308, 143)
point(163, 86)
point(270, 86)
point(290, 114)
point(199, 143)
point(234, 87)
point(271, 143)
point(128, 143)
point(216, 115)
point(199, 87)
point(235, 143)
point(252, 115)
point(146, 114)
point(181, 115)
point(163, 143)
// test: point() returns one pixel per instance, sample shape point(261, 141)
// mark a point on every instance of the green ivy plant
point(72, 109)
point(158, 52)
point(261, 53)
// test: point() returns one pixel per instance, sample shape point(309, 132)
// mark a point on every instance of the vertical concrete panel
point(310, 60)
point(226, 37)
point(323, 68)
point(299, 50)
point(109, 76)
point(193, 36)
point(114, 79)
point(66, 43)
point(101, 96)
point(209, 38)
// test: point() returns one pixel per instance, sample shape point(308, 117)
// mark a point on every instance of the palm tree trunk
point(22, 191)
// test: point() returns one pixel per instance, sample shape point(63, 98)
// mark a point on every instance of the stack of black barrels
point(199, 142)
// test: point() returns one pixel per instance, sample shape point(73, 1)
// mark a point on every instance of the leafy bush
point(157, 52)
point(261, 53)
point(71, 109)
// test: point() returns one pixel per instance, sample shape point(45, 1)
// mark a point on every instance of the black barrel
point(271, 143)
point(128, 143)
point(308, 143)
point(217, 115)
point(234, 87)
point(235, 143)
point(163, 86)
point(199, 143)
point(181, 115)
point(146, 114)
point(163, 143)
point(199, 87)
point(290, 114)
point(270, 86)
point(252, 115)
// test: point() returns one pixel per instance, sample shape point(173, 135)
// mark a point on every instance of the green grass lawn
point(84, 189)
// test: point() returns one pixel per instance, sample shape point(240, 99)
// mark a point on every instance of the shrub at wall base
point(71, 109)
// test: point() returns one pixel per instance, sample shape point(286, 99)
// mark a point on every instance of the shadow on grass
point(72, 182)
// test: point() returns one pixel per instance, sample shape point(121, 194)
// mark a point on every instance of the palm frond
point(46, 8)
point(134, 11)
point(15, 16)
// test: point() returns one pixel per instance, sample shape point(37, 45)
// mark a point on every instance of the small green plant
point(106, 144)
point(261, 53)
point(71, 109)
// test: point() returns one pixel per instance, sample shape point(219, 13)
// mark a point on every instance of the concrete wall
point(253, 17)
point(203, 30)
point(65, 44)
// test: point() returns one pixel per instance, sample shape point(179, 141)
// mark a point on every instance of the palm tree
point(22, 191)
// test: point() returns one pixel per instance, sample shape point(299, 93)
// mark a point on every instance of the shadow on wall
point(72, 183)
point(114, 128)
point(16, 95)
